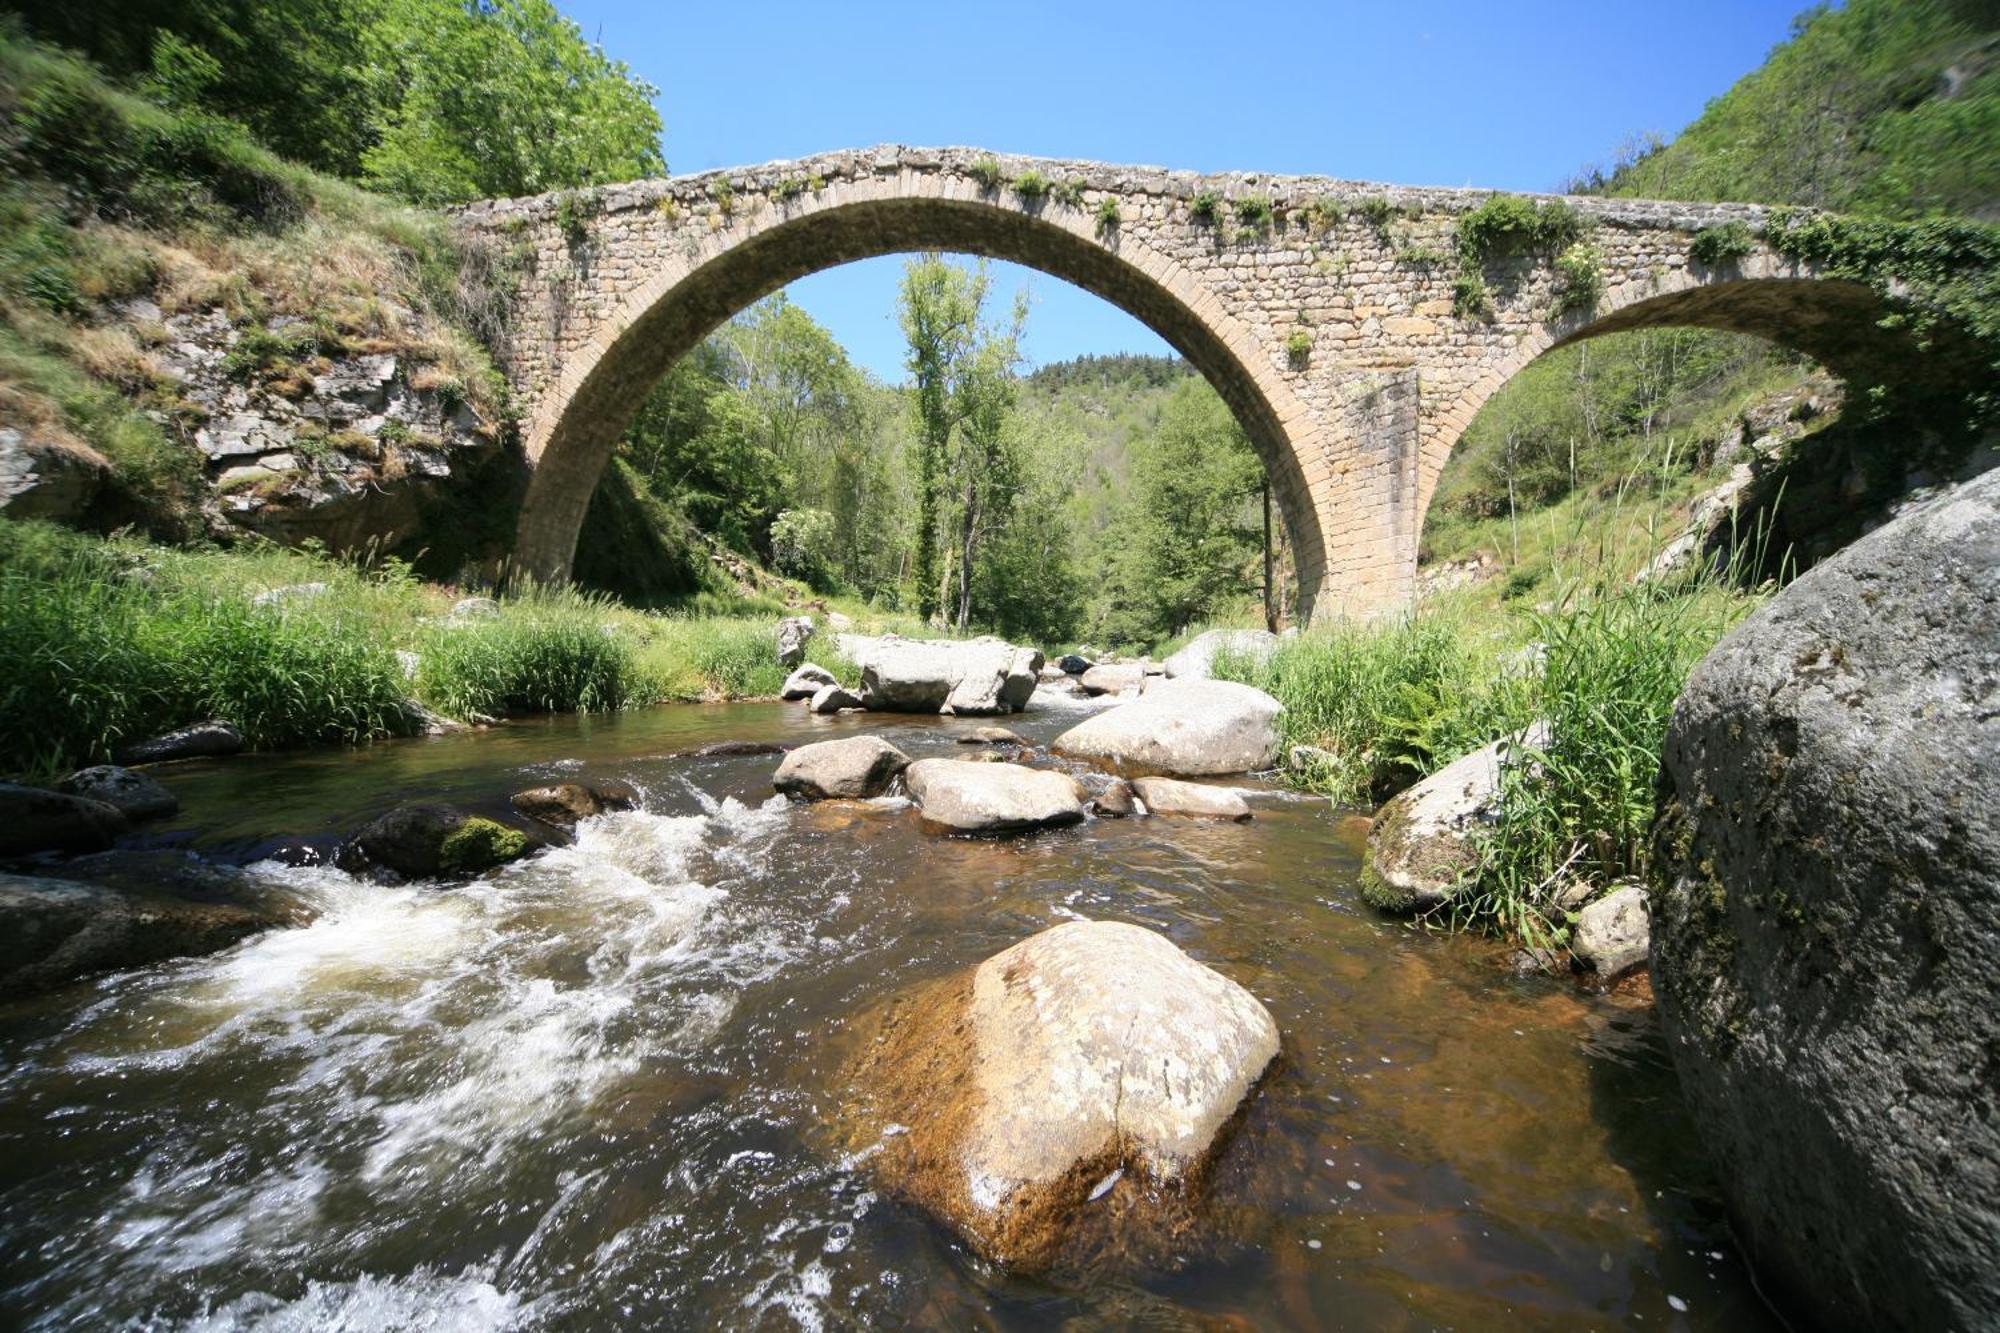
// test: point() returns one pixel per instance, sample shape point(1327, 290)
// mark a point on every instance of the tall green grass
point(548, 652)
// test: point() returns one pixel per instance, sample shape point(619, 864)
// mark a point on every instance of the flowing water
point(597, 1088)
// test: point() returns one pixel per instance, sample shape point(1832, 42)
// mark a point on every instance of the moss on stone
point(480, 844)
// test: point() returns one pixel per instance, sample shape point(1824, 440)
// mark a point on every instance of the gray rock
point(1116, 801)
point(475, 608)
point(1073, 664)
point(243, 435)
point(1083, 1077)
point(1826, 922)
point(428, 841)
point(726, 749)
point(53, 931)
point(974, 797)
point(35, 819)
point(1194, 728)
point(134, 795)
point(48, 478)
point(1612, 934)
point(421, 720)
point(203, 740)
point(1165, 796)
point(832, 698)
point(1423, 845)
point(1197, 660)
point(1107, 678)
point(969, 678)
point(794, 633)
point(989, 735)
point(855, 767)
point(805, 682)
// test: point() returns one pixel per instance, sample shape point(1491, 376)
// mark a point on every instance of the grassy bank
point(112, 641)
point(1383, 704)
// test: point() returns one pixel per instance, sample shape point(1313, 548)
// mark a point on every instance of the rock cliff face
point(1826, 922)
point(353, 448)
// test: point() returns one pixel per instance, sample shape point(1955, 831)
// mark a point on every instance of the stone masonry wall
point(619, 281)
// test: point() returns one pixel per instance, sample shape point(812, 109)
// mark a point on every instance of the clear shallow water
point(600, 1088)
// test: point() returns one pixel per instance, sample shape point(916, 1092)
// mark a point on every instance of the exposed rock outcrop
point(853, 767)
point(969, 678)
point(1194, 728)
point(134, 795)
point(1197, 660)
point(972, 797)
point(1423, 846)
point(1826, 922)
point(1166, 796)
point(48, 475)
point(794, 633)
point(1070, 1091)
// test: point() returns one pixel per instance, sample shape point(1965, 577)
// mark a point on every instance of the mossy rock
point(480, 844)
point(428, 841)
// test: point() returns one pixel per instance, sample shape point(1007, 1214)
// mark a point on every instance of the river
point(601, 1088)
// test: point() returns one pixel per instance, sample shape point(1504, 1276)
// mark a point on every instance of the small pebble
point(1680, 1306)
point(1354, 1184)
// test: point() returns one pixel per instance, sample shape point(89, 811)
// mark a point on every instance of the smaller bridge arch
point(1321, 310)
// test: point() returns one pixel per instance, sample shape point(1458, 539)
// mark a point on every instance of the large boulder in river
point(566, 804)
point(34, 819)
point(1197, 660)
point(969, 678)
point(428, 841)
point(972, 797)
point(834, 698)
point(133, 795)
point(53, 931)
point(1423, 846)
point(1113, 677)
point(1068, 1090)
point(1191, 728)
point(853, 767)
point(1826, 922)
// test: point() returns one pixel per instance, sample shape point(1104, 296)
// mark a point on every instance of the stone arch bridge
point(1323, 311)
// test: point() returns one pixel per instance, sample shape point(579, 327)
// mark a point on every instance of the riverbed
point(601, 1088)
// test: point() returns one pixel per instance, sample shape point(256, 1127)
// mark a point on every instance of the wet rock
point(833, 698)
point(1073, 664)
point(1068, 1091)
point(1310, 759)
point(1826, 923)
point(1116, 801)
point(428, 841)
point(1197, 660)
point(805, 682)
point(420, 720)
point(134, 795)
point(989, 735)
point(726, 749)
point(35, 819)
point(53, 931)
point(973, 797)
point(203, 740)
point(1165, 796)
point(794, 632)
point(853, 766)
point(1424, 845)
point(1613, 934)
point(564, 804)
point(1113, 679)
point(49, 478)
point(1195, 728)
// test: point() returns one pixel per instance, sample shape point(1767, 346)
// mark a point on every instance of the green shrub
point(1254, 211)
point(1579, 277)
point(1507, 224)
point(1107, 216)
point(1378, 212)
point(480, 844)
point(1715, 246)
point(1206, 208)
point(1032, 186)
point(1469, 299)
point(988, 173)
point(547, 652)
point(1298, 347)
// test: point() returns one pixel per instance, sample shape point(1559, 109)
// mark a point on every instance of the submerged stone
point(35, 819)
point(134, 795)
point(1067, 1093)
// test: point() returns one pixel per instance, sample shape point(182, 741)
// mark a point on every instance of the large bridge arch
point(1322, 310)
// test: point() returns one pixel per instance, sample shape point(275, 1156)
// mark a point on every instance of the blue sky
point(1511, 95)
